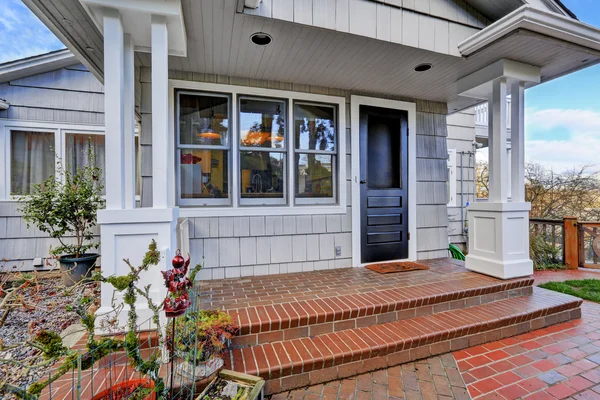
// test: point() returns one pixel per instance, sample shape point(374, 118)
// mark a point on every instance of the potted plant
point(65, 205)
point(201, 338)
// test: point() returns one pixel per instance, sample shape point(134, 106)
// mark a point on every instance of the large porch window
point(275, 152)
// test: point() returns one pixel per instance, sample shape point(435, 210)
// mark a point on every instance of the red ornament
point(178, 285)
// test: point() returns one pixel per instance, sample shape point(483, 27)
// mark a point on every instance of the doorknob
point(363, 182)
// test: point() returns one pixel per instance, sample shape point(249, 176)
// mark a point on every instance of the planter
point(75, 269)
point(123, 390)
point(250, 385)
point(193, 372)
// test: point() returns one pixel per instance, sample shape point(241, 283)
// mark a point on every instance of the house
point(303, 135)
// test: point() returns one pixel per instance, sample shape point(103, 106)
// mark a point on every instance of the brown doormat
point(391, 267)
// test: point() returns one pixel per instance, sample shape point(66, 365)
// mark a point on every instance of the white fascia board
point(36, 65)
point(538, 21)
point(141, 11)
point(478, 85)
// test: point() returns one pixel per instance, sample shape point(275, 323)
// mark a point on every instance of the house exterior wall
point(69, 96)
point(260, 245)
point(461, 135)
point(435, 25)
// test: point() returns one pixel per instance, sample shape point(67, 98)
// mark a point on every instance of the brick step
point(272, 323)
point(308, 361)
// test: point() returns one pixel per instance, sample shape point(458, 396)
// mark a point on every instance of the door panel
point(383, 190)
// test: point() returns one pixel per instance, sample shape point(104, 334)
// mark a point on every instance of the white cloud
point(580, 146)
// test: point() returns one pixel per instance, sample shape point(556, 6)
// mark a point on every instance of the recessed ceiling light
point(423, 67)
point(261, 38)
point(90, 49)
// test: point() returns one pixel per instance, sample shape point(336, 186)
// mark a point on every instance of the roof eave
point(36, 65)
point(539, 21)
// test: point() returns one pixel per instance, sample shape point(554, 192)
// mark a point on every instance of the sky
point(562, 125)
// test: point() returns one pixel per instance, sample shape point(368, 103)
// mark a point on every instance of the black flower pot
point(74, 269)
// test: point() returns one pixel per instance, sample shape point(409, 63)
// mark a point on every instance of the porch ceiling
point(218, 43)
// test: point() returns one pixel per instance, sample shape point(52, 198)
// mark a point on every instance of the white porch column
point(518, 143)
point(129, 124)
point(160, 110)
point(499, 229)
point(114, 86)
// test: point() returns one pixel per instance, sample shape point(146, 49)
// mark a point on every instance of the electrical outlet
point(338, 251)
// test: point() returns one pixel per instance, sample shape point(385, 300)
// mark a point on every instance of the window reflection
point(263, 175)
point(203, 120)
point(314, 175)
point(262, 123)
point(204, 174)
point(315, 127)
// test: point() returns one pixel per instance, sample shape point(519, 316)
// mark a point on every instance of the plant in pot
point(66, 204)
point(201, 338)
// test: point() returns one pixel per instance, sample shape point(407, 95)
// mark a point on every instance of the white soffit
point(136, 16)
point(478, 85)
point(535, 20)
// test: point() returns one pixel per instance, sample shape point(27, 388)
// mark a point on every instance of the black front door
point(383, 184)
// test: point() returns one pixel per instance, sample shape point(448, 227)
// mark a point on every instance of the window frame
point(334, 168)
point(291, 208)
point(283, 150)
point(451, 165)
point(58, 129)
point(203, 202)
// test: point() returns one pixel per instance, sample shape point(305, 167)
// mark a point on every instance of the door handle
point(363, 182)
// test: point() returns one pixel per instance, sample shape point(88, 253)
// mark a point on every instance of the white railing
point(481, 115)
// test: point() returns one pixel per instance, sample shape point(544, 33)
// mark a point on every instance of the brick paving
point(434, 378)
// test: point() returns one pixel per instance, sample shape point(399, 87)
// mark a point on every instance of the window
point(263, 154)
point(452, 177)
point(77, 152)
point(203, 149)
point(315, 153)
point(32, 159)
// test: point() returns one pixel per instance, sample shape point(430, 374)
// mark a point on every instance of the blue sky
point(562, 116)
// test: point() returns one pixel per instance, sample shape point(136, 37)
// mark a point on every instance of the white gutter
point(36, 65)
point(535, 20)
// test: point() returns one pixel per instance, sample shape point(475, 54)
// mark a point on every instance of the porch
point(308, 328)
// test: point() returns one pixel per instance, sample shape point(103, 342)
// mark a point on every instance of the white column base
point(126, 234)
point(499, 240)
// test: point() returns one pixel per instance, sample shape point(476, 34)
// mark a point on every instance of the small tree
point(67, 204)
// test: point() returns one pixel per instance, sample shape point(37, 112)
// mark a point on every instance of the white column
point(490, 119)
point(498, 162)
point(129, 123)
point(518, 142)
point(160, 109)
point(114, 86)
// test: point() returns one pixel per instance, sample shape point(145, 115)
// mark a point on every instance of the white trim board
point(411, 108)
point(236, 210)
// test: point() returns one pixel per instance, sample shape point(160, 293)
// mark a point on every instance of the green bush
point(543, 254)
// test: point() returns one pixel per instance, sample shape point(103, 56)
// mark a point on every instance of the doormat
point(391, 267)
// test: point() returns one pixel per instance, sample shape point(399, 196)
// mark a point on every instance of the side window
point(32, 159)
point(452, 177)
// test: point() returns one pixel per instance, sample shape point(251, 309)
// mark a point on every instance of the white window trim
point(334, 154)
point(452, 177)
point(60, 131)
point(290, 208)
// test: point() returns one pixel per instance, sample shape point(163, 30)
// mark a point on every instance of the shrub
point(543, 254)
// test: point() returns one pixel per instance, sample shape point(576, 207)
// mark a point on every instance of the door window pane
point(315, 127)
point(314, 175)
point(77, 152)
point(263, 175)
point(204, 174)
point(262, 123)
point(32, 159)
point(383, 144)
point(203, 119)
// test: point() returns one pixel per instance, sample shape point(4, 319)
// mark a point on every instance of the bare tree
point(554, 195)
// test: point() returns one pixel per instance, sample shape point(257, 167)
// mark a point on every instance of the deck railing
point(577, 241)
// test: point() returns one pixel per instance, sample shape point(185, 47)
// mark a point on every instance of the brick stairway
point(348, 322)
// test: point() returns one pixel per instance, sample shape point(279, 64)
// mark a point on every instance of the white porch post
point(499, 229)
point(160, 109)
point(127, 231)
point(518, 142)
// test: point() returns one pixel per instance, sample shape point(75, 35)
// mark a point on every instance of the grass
point(587, 289)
